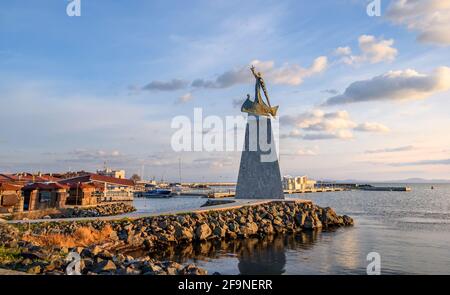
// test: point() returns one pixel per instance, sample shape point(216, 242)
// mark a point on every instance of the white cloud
point(391, 150)
point(317, 124)
point(371, 127)
point(395, 85)
point(373, 50)
point(302, 152)
point(174, 84)
point(343, 51)
point(287, 74)
point(430, 19)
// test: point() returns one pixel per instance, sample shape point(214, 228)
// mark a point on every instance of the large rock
point(106, 266)
point(202, 232)
point(183, 233)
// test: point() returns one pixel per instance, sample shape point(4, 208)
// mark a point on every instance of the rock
point(36, 269)
point(192, 269)
point(167, 238)
point(300, 219)
point(347, 220)
point(249, 229)
point(106, 266)
point(202, 232)
point(148, 244)
point(183, 233)
point(220, 232)
point(171, 271)
point(91, 252)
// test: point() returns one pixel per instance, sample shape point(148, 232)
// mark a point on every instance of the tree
point(135, 178)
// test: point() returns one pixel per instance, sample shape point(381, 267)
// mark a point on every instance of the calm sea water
point(410, 231)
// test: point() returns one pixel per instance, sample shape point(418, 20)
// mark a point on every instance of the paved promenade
point(136, 215)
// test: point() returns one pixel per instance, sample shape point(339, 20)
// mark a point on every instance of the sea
point(406, 232)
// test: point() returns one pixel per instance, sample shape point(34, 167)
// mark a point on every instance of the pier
point(315, 190)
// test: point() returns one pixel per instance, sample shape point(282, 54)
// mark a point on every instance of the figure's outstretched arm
point(252, 68)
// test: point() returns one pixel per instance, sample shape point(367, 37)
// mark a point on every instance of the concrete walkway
point(135, 215)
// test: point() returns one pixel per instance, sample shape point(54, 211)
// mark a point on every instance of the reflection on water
point(411, 232)
point(255, 256)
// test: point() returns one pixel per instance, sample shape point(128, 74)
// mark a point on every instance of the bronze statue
point(258, 106)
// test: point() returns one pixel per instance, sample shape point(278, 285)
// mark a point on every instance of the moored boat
point(158, 193)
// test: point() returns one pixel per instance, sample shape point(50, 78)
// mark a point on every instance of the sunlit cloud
point(430, 19)
point(395, 85)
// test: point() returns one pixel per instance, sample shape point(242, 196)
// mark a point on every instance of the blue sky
point(81, 90)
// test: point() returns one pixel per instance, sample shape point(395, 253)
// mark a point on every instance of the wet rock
point(36, 269)
point(183, 233)
point(192, 269)
point(202, 232)
point(105, 266)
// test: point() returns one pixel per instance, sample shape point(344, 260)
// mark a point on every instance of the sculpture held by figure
point(258, 106)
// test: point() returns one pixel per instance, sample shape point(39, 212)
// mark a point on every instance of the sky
point(361, 97)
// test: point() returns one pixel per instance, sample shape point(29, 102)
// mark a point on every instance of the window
point(45, 196)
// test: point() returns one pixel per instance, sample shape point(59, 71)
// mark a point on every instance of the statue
point(258, 107)
point(259, 171)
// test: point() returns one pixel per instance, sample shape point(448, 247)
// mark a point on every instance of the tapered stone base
point(259, 171)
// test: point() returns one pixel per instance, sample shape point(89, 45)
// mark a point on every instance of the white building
point(298, 183)
point(112, 173)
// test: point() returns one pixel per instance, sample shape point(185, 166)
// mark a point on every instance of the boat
point(158, 193)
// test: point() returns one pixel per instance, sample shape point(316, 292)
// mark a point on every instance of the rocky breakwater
point(97, 211)
point(103, 244)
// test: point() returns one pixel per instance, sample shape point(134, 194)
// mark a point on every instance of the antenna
point(179, 168)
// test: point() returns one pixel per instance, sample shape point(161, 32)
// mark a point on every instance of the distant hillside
point(408, 180)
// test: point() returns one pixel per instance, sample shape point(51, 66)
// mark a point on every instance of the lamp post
point(76, 198)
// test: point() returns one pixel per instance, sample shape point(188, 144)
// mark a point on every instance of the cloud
point(395, 85)
point(318, 120)
point(430, 19)
point(185, 98)
point(331, 91)
point(371, 127)
point(174, 84)
point(423, 163)
point(391, 150)
point(317, 125)
point(301, 152)
point(287, 74)
point(343, 51)
point(339, 134)
point(85, 154)
point(373, 50)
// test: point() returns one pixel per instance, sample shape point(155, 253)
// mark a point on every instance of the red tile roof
point(92, 177)
point(26, 177)
point(45, 185)
point(9, 187)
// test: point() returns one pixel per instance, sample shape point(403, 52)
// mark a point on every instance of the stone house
point(46, 195)
point(10, 198)
point(81, 194)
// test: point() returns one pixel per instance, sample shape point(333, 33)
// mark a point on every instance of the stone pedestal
point(259, 171)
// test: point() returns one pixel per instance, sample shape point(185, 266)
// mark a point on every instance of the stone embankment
point(43, 248)
point(97, 211)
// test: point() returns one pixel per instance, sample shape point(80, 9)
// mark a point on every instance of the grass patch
point(83, 236)
point(8, 255)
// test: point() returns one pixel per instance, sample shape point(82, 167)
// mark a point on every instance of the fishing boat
point(158, 193)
